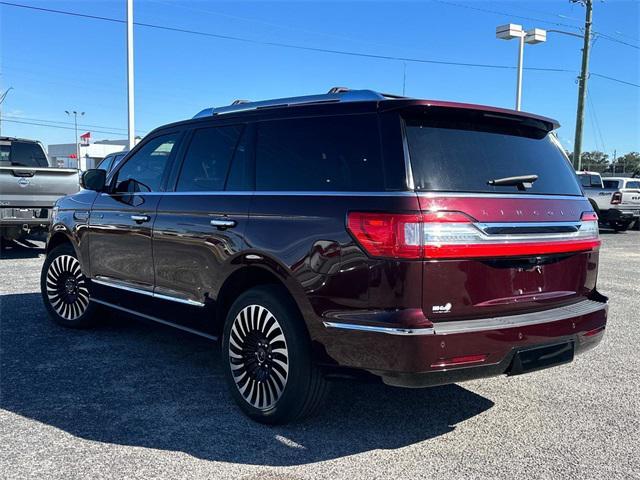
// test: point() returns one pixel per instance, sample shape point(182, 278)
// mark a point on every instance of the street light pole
point(75, 114)
point(532, 36)
point(130, 98)
point(2, 97)
point(582, 84)
point(519, 80)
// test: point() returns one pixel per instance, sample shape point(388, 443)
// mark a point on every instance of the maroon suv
point(353, 233)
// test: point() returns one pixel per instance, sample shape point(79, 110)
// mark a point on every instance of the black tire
point(65, 291)
point(620, 226)
point(266, 355)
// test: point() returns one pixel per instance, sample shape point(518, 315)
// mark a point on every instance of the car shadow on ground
point(21, 249)
point(131, 383)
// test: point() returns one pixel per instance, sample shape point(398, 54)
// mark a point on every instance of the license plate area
point(538, 358)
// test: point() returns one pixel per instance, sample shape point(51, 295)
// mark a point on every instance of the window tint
point(609, 183)
point(329, 153)
point(143, 171)
point(207, 160)
point(632, 185)
point(241, 171)
point(462, 154)
point(24, 154)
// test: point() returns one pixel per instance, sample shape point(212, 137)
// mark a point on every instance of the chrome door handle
point(222, 224)
point(140, 218)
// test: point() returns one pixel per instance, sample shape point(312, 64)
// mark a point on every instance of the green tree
point(626, 164)
point(593, 161)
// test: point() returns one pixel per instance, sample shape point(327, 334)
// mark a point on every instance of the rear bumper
point(449, 352)
point(19, 216)
point(618, 215)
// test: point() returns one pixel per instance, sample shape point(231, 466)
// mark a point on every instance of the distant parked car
point(615, 200)
point(338, 235)
point(111, 161)
point(29, 187)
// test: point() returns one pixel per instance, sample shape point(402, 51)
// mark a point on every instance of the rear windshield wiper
point(521, 181)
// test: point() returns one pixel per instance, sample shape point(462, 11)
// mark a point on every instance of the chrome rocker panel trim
point(121, 286)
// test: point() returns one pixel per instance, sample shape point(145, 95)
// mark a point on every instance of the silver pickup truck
point(616, 201)
point(29, 187)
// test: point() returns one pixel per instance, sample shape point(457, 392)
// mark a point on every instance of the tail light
point(616, 198)
point(447, 234)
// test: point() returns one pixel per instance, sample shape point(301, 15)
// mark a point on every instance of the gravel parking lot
point(132, 400)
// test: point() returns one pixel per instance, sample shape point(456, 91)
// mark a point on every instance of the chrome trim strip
point(121, 286)
point(401, 193)
point(584, 307)
point(115, 284)
point(186, 301)
point(387, 330)
point(483, 225)
point(405, 193)
point(157, 320)
point(499, 195)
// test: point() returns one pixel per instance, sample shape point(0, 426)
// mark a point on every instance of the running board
point(155, 319)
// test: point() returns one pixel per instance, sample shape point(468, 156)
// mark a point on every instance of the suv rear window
point(336, 153)
point(462, 152)
point(22, 154)
point(609, 183)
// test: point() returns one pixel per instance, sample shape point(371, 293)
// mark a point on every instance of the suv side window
point(144, 170)
point(207, 159)
point(335, 153)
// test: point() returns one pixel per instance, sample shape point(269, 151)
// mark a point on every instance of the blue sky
point(58, 62)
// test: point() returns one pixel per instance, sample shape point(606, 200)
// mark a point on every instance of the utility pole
point(582, 82)
point(75, 114)
point(130, 99)
point(2, 97)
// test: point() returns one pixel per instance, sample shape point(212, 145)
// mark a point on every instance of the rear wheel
point(620, 226)
point(267, 358)
point(64, 289)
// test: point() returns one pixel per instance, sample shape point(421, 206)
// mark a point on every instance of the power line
point(4, 119)
point(312, 49)
point(615, 79)
point(534, 19)
point(284, 45)
point(83, 126)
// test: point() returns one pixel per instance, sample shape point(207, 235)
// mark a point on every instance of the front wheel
point(266, 352)
point(64, 289)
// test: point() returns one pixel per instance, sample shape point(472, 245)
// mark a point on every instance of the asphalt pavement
point(133, 400)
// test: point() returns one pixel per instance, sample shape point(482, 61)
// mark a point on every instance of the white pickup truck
point(29, 187)
point(616, 200)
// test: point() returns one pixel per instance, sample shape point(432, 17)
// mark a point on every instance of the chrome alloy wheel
point(67, 287)
point(258, 356)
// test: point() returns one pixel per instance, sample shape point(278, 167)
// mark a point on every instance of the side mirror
point(94, 179)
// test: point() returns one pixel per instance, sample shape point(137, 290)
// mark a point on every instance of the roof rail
point(335, 95)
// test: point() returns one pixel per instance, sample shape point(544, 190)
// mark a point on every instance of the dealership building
point(64, 155)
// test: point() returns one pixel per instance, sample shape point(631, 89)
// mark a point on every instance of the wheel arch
point(58, 238)
point(254, 275)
